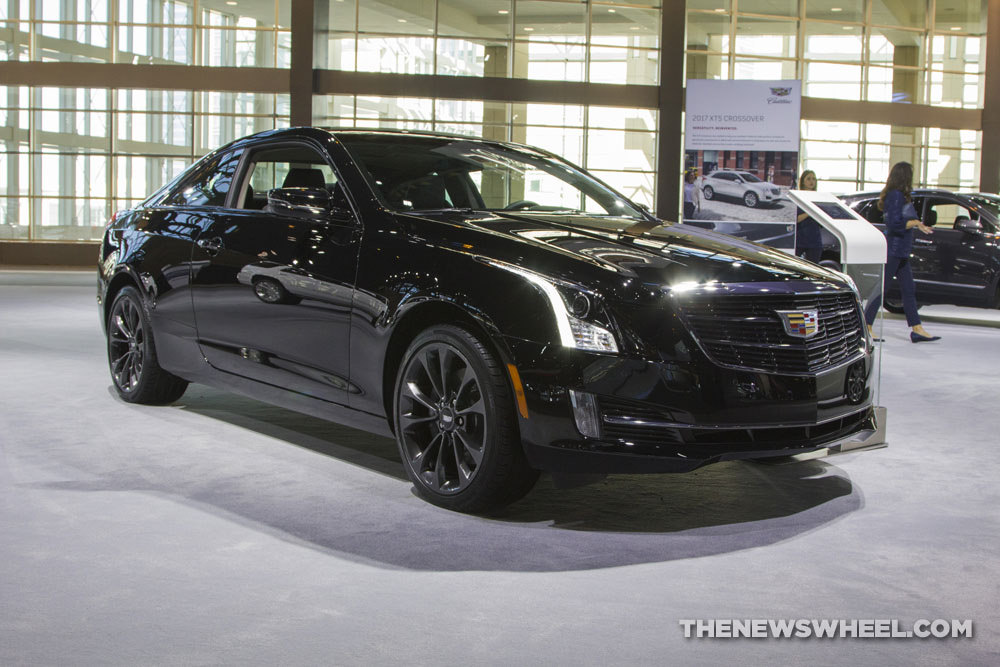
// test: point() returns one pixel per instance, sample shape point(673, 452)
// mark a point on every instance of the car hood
point(666, 256)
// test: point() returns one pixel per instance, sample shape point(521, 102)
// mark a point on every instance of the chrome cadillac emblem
point(800, 323)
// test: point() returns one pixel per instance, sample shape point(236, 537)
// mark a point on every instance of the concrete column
point(669, 157)
point(906, 87)
point(300, 76)
point(989, 173)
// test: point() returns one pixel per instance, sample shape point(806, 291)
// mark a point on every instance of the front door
point(953, 262)
point(272, 292)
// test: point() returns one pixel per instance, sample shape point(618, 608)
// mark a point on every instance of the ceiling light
point(635, 27)
point(956, 27)
point(611, 11)
point(231, 3)
point(528, 29)
point(847, 27)
point(836, 9)
point(401, 20)
point(721, 11)
point(503, 11)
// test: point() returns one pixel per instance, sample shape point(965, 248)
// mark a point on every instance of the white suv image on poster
point(740, 185)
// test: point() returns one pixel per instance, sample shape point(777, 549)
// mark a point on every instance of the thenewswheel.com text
point(803, 628)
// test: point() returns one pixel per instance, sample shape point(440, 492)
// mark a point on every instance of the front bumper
point(659, 416)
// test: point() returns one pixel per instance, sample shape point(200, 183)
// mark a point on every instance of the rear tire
point(135, 371)
point(895, 306)
point(455, 423)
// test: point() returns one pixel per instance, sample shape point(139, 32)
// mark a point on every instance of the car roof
point(342, 131)
point(916, 191)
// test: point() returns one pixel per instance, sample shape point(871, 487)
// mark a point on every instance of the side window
point(945, 214)
point(208, 186)
point(286, 167)
point(870, 212)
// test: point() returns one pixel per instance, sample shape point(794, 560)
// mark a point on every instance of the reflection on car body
point(493, 307)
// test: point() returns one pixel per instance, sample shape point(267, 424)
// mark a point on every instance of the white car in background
point(741, 185)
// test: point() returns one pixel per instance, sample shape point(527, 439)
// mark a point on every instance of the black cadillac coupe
point(496, 309)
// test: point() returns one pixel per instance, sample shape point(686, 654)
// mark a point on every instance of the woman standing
point(900, 222)
point(692, 198)
point(808, 240)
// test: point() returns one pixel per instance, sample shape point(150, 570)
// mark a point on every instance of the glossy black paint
point(957, 264)
point(314, 313)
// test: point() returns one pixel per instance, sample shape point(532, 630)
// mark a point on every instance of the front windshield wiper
point(643, 226)
point(446, 209)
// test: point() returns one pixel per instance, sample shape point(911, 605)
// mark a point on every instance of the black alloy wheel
point(455, 424)
point(750, 199)
point(135, 371)
point(708, 192)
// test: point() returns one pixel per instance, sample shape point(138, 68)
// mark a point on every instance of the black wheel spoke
point(428, 364)
point(478, 408)
point(463, 470)
point(440, 478)
point(475, 452)
point(410, 419)
point(443, 358)
point(416, 394)
point(422, 455)
point(468, 381)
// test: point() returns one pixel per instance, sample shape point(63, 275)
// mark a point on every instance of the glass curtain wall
point(69, 157)
point(558, 40)
point(928, 52)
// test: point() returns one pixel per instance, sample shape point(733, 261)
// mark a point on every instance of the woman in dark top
point(900, 222)
point(808, 240)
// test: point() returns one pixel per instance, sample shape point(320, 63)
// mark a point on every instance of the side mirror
point(307, 204)
point(968, 226)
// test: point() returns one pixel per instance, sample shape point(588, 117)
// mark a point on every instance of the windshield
point(990, 203)
point(419, 173)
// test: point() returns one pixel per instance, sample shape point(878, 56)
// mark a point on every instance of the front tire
point(750, 199)
point(708, 192)
point(455, 424)
point(135, 371)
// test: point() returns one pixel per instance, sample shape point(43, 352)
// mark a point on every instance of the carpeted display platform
point(221, 530)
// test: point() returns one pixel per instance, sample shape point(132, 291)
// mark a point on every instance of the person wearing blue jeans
point(901, 221)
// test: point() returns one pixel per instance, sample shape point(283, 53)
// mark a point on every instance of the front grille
point(744, 331)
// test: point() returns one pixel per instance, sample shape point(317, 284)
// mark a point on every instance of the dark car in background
point(494, 308)
point(960, 262)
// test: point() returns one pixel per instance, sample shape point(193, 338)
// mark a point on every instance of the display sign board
point(742, 147)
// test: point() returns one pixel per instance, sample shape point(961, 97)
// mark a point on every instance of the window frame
point(244, 171)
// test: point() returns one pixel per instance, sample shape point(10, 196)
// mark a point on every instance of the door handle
point(923, 241)
point(212, 246)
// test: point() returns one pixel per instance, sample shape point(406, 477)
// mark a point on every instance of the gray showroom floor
point(223, 531)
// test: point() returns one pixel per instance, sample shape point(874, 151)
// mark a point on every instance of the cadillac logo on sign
point(800, 323)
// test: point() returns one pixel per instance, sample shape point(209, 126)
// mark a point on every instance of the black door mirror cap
point(968, 226)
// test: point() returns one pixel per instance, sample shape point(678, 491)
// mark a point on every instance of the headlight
point(567, 302)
